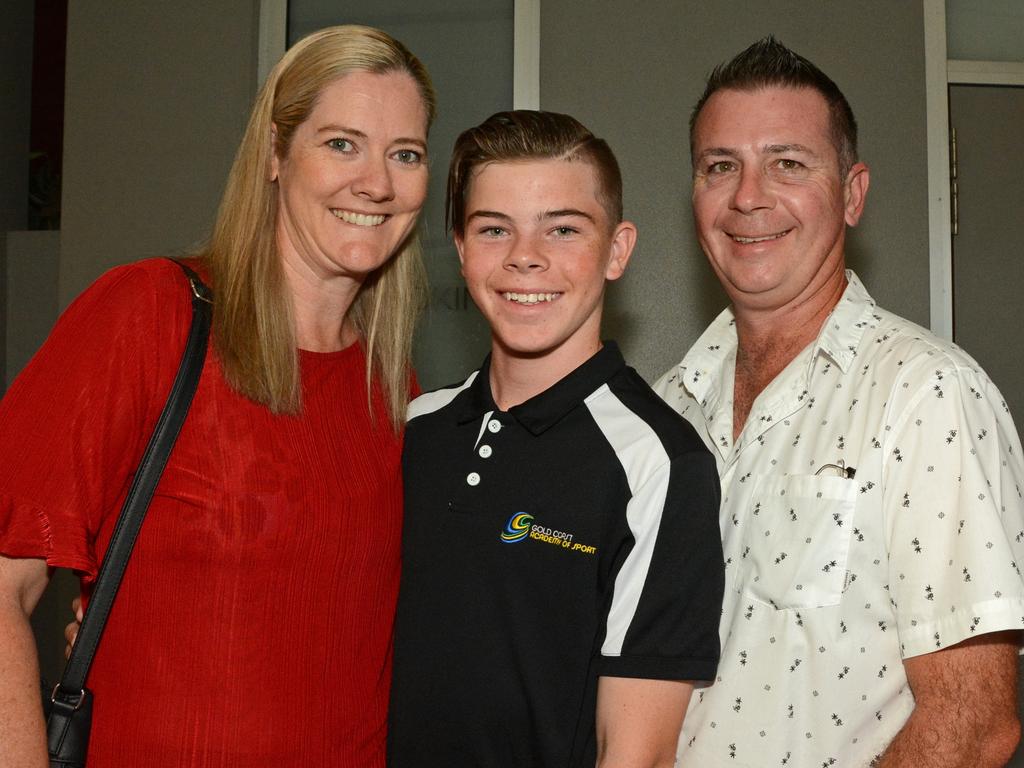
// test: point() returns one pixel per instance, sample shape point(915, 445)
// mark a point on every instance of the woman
point(253, 625)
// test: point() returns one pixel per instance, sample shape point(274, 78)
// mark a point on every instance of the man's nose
point(752, 190)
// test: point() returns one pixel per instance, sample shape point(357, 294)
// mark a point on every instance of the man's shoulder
point(913, 350)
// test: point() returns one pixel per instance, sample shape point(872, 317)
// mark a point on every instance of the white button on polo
point(494, 425)
point(473, 478)
point(485, 451)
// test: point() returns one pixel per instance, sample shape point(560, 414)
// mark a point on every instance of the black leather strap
point(69, 691)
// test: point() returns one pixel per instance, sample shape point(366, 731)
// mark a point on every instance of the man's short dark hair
point(525, 134)
point(768, 63)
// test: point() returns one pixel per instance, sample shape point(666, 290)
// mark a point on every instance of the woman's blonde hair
point(253, 328)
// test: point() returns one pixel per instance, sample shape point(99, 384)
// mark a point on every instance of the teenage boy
point(562, 567)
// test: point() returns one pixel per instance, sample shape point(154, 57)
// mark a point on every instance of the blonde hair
point(254, 333)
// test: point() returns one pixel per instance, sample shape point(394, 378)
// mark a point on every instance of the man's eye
point(722, 166)
point(408, 156)
point(493, 231)
point(342, 145)
point(789, 165)
point(565, 231)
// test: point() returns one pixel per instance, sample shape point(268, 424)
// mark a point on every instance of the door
point(988, 256)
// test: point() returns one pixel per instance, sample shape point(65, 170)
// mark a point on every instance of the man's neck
point(516, 378)
point(769, 341)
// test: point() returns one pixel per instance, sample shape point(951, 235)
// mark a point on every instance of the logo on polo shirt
point(521, 525)
point(517, 528)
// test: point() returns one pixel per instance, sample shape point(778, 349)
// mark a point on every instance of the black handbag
point(68, 705)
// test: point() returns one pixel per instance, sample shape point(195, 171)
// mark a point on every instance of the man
point(871, 474)
point(562, 570)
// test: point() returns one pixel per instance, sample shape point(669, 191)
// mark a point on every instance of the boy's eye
point(493, 231)
point(408, 156)
point(565, 231)
point(342, 145)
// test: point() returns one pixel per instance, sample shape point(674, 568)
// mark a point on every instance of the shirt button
point(485, 451)
point(473, 478)
point(494, 425)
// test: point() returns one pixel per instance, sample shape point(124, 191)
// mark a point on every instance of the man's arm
point(965, 711)
point(22, 581)
point(638, 721)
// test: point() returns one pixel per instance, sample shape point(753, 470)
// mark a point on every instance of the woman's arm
point(22, 581)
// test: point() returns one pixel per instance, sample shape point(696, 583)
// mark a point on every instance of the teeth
point(530, 298)
point(746, 240)
point(362, 219)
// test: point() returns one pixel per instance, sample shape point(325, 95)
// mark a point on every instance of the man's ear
point(274, 164)
point(855, 192)
point(623, 242)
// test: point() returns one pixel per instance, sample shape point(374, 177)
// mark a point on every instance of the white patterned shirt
point(871, 511)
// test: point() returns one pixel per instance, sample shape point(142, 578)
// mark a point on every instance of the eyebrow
point(563, 212)
point(716, 151)
point(560, 213)
point(334, 128)
point(777, 149)
point(488, 215)
point(771, 149)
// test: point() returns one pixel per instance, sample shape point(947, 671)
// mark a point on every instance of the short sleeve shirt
point(872, 511)
point(570, 537)
point(253, 626)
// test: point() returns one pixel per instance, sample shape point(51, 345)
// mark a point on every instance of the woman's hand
point(71, 630)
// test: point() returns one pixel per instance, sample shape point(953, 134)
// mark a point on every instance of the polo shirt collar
point(544, 410)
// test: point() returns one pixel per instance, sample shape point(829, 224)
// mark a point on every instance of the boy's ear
point(458, 247)
point(623, 242)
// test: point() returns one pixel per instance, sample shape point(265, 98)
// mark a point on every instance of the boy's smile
point(536, 250)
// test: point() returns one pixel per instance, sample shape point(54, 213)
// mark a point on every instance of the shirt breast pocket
point(798, 539)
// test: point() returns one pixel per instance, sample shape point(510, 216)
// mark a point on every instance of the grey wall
point(633, 82)
point(33, 264)
point(15, 122)
point(156, 99)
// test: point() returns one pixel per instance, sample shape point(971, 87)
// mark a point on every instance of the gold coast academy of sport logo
point(521, 525)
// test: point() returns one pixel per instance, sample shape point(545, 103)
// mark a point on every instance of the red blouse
point(253, 627)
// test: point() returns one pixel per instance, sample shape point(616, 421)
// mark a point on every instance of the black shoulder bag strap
point(70, 703)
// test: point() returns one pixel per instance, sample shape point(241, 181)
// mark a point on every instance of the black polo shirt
point(573, 536)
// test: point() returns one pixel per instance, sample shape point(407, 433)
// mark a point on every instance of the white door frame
point(526, 55)
point(940, 73)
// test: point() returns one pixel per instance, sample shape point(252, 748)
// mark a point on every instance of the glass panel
point(467, 46)
point(992, 30)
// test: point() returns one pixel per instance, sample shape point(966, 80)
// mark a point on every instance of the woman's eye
point(408, 156)
point(342, 145)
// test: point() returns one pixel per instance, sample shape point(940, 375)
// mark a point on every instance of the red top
point(253, 626)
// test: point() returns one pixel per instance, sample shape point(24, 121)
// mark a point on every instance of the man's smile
point(748, 239)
